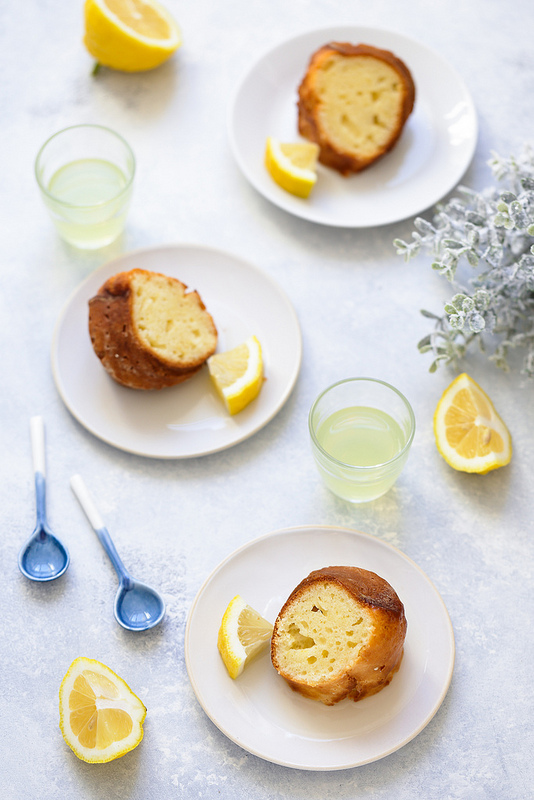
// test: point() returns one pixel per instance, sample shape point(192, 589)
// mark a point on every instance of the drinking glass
point(85, 174)
point(361, 432)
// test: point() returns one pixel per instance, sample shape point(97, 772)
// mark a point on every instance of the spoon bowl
point(43, 557)
point(138, 607)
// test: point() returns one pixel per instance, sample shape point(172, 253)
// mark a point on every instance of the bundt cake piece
point(148, 331)
point(353, 102)
point(340, 634)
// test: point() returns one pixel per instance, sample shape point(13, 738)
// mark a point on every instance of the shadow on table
point(488, 494)
point(101, 780)
point(144, 96)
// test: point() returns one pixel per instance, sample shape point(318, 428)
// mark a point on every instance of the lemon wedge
point(99, 716)
point(292, 166)
point(130, 35)
point(470, 435)
point(243, 634)
point(237, 374)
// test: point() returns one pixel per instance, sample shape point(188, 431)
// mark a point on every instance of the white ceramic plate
point(259, 712)
point(431, 156)
point(189, 419)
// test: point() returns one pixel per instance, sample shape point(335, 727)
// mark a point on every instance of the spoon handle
point(38, 454)
point(86, 501)
point(38, 444)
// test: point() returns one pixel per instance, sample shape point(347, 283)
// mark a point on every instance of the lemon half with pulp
point(470, 434)
point(130, 35)
point(99, 716)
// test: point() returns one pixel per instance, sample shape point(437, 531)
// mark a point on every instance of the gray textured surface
point(174, 522)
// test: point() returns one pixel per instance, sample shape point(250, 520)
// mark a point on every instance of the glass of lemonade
point(85, 174)
point(361, 432)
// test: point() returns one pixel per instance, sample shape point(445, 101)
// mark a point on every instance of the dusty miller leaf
point(492, 232)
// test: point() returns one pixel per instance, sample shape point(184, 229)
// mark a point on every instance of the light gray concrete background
point(174, 521)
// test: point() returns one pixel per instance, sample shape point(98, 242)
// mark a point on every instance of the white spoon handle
point(38, 444)
point(86, 501)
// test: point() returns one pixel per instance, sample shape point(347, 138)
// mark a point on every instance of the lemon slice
point(130, 35)
point(99, 716)
point(470, 435)
point(243, 634)
point(238, 374)
point(292, 166)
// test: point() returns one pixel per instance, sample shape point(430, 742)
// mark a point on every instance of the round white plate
point(189, 419)
point(259, 711)
point(431, 156)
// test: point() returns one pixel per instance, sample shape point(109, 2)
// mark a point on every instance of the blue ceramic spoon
point(137, 606)
point(43, 557)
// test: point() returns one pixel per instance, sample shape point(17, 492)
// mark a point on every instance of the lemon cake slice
point(340, 634)
point(148, 331)
point(354, 101)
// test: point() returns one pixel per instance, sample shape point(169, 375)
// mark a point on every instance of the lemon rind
point(234, 657)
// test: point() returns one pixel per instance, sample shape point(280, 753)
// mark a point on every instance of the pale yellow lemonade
point(89, 198)
point(360, 436)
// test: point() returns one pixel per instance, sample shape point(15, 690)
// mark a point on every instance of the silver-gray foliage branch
point(493, 232)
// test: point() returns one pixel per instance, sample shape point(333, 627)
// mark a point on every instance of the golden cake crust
point(380, 655)
point(311, 105)
point(117, 343)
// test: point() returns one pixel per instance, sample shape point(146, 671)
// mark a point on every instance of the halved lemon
point(99, 716)
point(470, 435)
point(130, 35)
point(292, 166)
point(237, 374)
point(243, 635)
